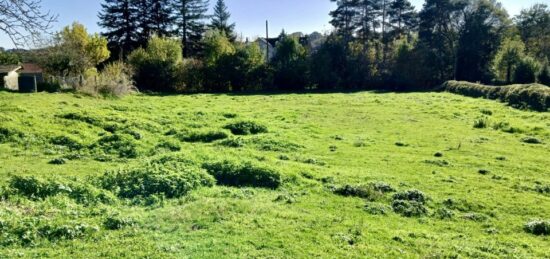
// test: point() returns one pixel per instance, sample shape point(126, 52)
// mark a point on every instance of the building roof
point(31, 68)
point(9, 68)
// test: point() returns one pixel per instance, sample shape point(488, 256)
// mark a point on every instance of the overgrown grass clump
point(410, 203)
point(244, 174)
point(531, 96)
point(121, 145)
point(204, 137)
point(538, 227)
point(246, 128)
point(171, 179)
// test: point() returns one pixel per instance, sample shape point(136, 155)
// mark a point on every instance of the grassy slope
point(250, 223)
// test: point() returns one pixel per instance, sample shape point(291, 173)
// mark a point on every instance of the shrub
point(50, 87)
point(66, 141)
point(117, 222)
point(117, 144)
point(411, 195)
point(114, 80)
point(275, 145)
point(244, 174)
point(526, 71)
point(156, 66)
point(544, 76)
point(362, 191)
point(204, 137)
point(246, 128)
point(532, 96)
point(410, 203)
point(9, 135)
point(444, 213)
point(538, 227)
point(34, 188)
point(81, 117)
point(171, 179)
point(382, 187)
point(409, 208)
point(543, 189)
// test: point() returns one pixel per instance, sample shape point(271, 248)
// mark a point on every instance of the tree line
point(177, 46)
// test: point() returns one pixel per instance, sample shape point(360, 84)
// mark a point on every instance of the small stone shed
point(24, 77)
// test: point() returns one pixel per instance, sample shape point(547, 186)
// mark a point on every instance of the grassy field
point(337, 170)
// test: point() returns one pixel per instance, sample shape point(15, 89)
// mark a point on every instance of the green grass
point(317, 143)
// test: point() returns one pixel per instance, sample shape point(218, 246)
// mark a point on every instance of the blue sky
point(250, 15)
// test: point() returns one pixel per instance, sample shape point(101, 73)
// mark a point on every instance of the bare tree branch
point(23, 21)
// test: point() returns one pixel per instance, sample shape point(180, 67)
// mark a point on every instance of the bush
point(538, 227)
point(362, 191)
point(156, 66)
point(171, 179)
point(410, 203)
point(246, 174)
point(114, 80)
point(532, 96)
point(526, 71)
point(7, 134)
point(34, 188)
point(246, 128)
point(117, 223)
point(411, 195)
point(204, 137)
point(50, 87)
point(409, 208)
point(544, 76)
point(65, 232)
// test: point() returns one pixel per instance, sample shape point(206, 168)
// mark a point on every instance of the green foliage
point(290, 64)
point(75, 51)
point(538, 227)
point(204, 137)
point(246, 128)
point(362, 191)
point(9, 58)
point(409, 208)
point(544, 75)
point(116, 222)
point(114, 80)
point(244, 174)
point(411, 195)
point(481, 123)
point(171, 179)
point(67, 141)
point(507, 58)
point(118, 144)
point(220, 20)
point(534, 96)
point(526, 71)
point(156, 66)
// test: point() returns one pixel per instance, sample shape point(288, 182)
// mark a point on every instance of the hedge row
point(531, 96)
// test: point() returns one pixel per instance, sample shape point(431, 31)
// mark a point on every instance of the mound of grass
point(531, 96)
point(81, 118)
point(538, 227)
point(169, 145)
point(410, 203)
point(34, 188)
point(7, 134)
point(117, 222)
point(481, 123)
point(121, 145)
point(203, 137)
point(246, 128)
point(531, 140)
point(66, 141)
point(244, 174)
point(171, 179)
point(377, 208)
point(362, 191)
point(29, 233)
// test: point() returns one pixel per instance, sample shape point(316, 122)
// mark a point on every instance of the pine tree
point(220, 20)
point(402, 17)
point(368, 23)
point(119, 18)
point(154, 18)
point(189, 21)
point(345, 18)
